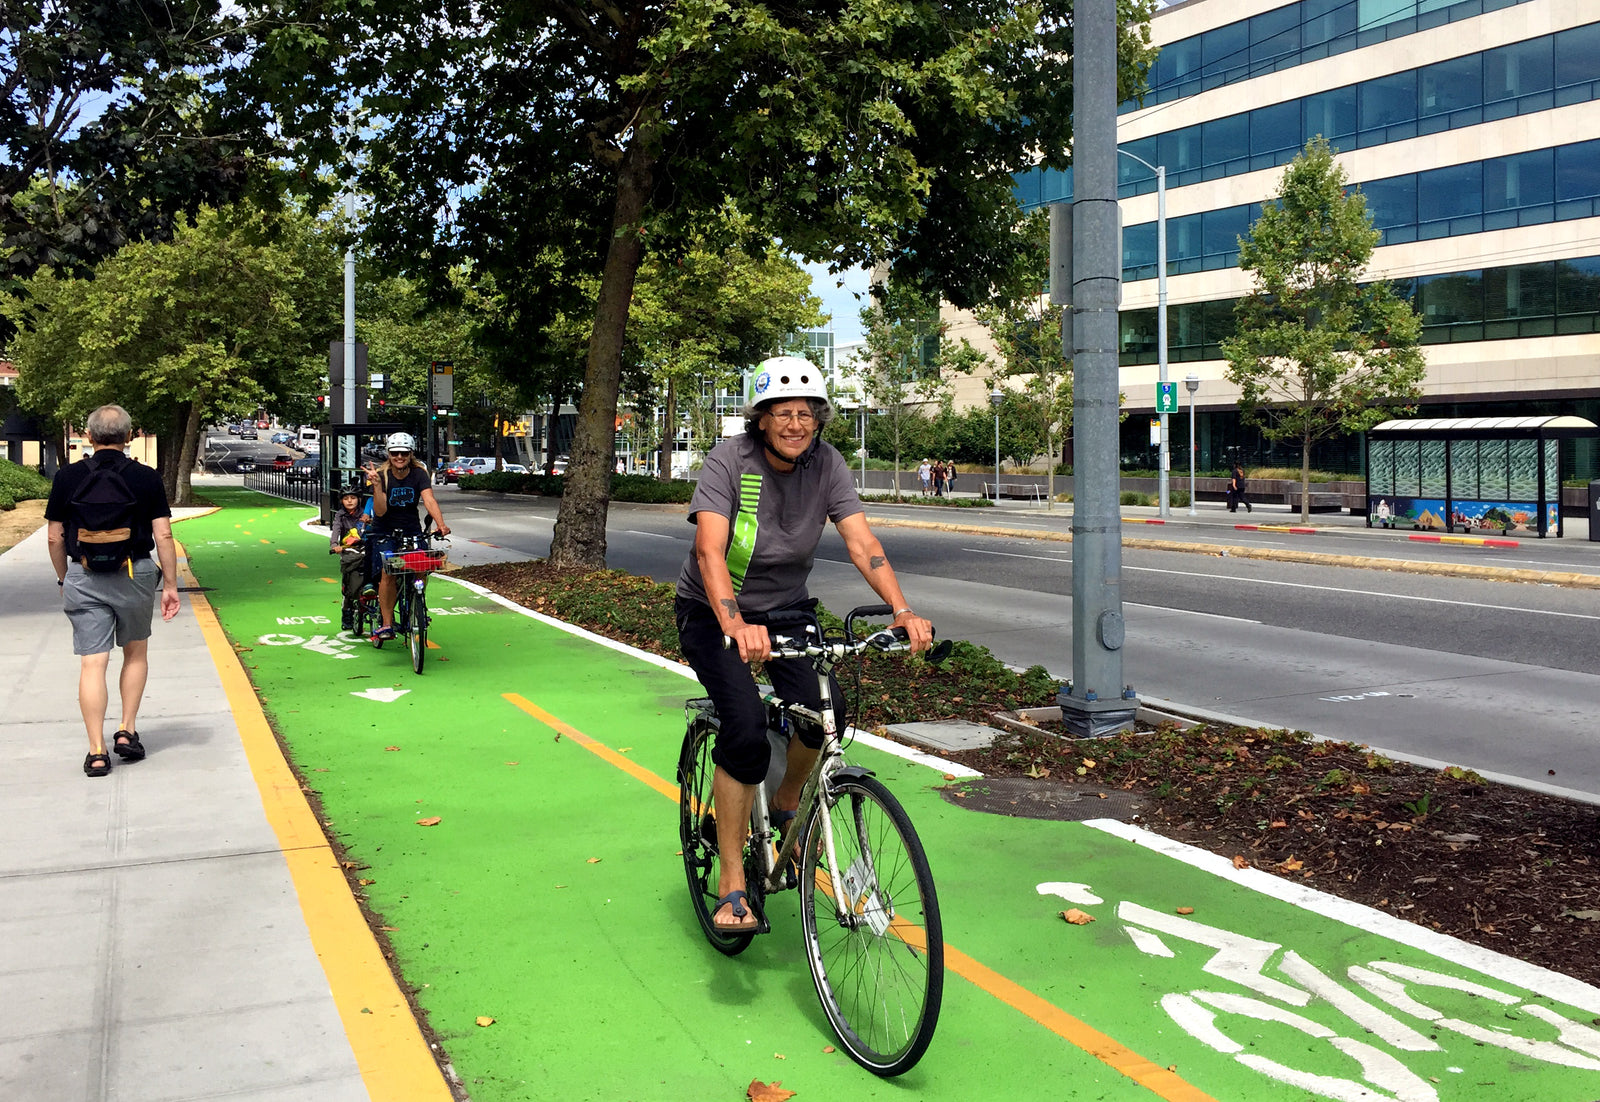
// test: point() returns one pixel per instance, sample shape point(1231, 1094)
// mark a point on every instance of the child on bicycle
point(760, 508)
point(399, 489)
point(348, 540)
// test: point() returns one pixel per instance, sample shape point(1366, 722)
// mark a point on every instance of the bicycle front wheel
point(417, 628)
point(877, 955)
point(697, 831)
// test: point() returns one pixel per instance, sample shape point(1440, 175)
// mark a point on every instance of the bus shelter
point(1469, 474)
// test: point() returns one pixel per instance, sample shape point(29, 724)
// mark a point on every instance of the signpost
point(1166, 397)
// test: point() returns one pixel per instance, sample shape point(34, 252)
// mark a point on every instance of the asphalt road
point(1492, 675)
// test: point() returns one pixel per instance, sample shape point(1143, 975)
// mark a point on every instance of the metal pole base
point(1096, 718)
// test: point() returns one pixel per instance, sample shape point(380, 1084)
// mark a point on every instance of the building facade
point(1473, 129)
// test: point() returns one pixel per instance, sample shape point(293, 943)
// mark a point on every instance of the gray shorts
point(107, 608)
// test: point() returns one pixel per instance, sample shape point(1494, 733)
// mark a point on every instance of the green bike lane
point(549, 896)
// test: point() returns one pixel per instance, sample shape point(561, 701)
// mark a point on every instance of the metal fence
point(276, 483)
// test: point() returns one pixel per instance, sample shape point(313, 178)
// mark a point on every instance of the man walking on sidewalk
point(106, 514)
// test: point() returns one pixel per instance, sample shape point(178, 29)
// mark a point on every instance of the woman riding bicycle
point(398, 489)
point(760, 508)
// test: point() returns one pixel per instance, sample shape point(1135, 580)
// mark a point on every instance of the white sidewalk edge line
point(1530, 977)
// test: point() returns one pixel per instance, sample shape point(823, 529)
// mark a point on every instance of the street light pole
point(1164, 458)
point(996, 396)
point(1191, 383)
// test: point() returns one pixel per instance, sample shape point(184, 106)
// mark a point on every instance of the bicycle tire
point(697, 832)
point(878, 965)
point(417, 623)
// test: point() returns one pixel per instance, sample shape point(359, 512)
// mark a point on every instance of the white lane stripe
point(653, 535)
point(1342, 591)
point(1530, 977)
point(866, 739)
point(1014, 555)
point(1191, 612)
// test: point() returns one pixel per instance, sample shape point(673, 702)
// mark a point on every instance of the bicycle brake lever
point(941, 650)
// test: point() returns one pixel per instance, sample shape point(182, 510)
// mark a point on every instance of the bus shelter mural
point(1470, 474)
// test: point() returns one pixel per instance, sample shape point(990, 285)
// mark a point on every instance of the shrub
point(18, 483)
point(1132, 497)
point(917, 499)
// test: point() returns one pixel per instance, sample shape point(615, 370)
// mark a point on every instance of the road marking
point(1362, 592)
point(1191, 612)
point(384, 1037)
point(382, 694)
point(1013, 555)
point(1154, 1078)
point(654, 535)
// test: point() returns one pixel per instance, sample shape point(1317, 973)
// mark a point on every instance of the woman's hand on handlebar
point(919, 632)
point(752, 640)
point(442, 529)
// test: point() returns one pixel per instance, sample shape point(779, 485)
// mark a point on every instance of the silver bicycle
point(868, 910)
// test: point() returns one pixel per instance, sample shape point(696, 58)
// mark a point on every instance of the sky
point(842, 302)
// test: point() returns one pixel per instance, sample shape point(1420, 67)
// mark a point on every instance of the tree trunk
point(669, 431)
point(1305, 481)
point(187, 446)
point(896, 423)
point(1050, 468)
point(580, 531)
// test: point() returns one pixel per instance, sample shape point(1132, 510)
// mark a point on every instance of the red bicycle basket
point(415, 562)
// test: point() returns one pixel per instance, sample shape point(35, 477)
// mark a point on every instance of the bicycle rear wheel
point(877, 958)
point(697, 831)
point(417, 626)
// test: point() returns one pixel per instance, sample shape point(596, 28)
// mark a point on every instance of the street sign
point(1166, 397)
point(441, 378)
point(1155, 432)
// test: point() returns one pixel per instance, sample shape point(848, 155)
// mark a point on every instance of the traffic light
point(322, 403)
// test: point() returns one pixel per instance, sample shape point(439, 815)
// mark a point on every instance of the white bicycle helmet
point(785, 377)
point(400, 442)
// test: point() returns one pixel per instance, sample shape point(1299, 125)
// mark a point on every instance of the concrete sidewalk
point(155, 946)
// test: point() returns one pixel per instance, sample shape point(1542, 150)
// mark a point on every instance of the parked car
point(514, 468)
point(469, 464)
point(308, 469)
point(247, 431)
point(282, 438)
point(282, 462)
point(245, 464)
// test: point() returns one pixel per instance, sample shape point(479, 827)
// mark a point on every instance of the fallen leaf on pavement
point(1239, 862)
point(431, 821)
point(1077, 917)
point(365, 882)
point(1279, 824)
point(485, 1020)
point(391, 748)
point(1088, 763)
point(949, 776)
point(594, 861)
point(1036, 772)
point(829, 1048)
point(513, 763)
point(767, 1092)
point(1186, 910)
point(1291, 865)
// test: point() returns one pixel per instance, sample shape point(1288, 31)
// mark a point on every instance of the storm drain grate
point(1030, 798)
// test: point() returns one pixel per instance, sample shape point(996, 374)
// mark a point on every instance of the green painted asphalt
point(550, 897)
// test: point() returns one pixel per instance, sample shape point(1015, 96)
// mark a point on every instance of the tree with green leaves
point(545, 140)
point(112, 130)
point(902, 379)
point(233, 312)
point(1318, 353)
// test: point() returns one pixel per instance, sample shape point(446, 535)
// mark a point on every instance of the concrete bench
point(1320, 503)
point(1025, 491)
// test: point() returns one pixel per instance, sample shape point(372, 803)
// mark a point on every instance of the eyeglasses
point(399, 455)
point(793, 417)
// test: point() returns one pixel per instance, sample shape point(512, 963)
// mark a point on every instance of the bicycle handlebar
point(785, 646)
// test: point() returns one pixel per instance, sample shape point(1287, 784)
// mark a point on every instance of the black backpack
point(106, 512)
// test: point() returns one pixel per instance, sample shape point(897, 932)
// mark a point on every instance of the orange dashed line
point(301, 565)
point(1154, 1078)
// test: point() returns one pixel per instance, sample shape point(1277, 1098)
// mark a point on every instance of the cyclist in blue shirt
point(399, 489)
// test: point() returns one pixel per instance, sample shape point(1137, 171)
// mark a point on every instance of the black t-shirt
point(403, 516)
point(143, 482)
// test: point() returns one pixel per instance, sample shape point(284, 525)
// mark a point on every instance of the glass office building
point(1472, 128)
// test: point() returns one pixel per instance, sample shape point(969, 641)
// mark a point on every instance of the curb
point(1566, 579)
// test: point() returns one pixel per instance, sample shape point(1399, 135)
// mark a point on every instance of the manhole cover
point(1027, 798)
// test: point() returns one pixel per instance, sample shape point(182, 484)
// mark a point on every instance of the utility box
point(1594, 511)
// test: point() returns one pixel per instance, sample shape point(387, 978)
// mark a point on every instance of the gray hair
point(110, 425)
point(821, 409)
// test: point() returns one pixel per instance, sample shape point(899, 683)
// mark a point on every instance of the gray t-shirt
point(776, 519)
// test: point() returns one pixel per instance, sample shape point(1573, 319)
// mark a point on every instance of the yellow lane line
point(1154, 1078)
point(395, 1061)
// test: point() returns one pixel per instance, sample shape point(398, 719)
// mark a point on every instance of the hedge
point(19, 483)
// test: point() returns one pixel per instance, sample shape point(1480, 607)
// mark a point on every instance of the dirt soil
point(1506, 868)
point(18, 524)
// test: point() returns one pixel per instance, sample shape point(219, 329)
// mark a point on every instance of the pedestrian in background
point(925, 475)
point(106, 514)
point(1236, 491)
point(938, 478)
point(950, 476)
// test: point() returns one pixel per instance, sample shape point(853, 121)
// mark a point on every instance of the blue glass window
point(1450, 192)
point(1180, 150)
point(1274, 37)
point(1326, 20)
point(1393, 204)
point(1223, 228)
point(1226, 51)
point(1578, 55)
point(1578, 286)
point(1224, 141)
point(1521, 69)
point(1578, 171)
point(1388, 100)
point(1519, 190)
point(1139, 251)
point(1276, 128)
point(1375, 13)
point(1452, 85)
point(1333, 114)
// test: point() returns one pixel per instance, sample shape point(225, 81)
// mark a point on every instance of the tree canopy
point(1317, 352)
point(546, 140)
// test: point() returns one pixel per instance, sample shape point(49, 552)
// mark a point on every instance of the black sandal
point(131, 750)
point(97, 765)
